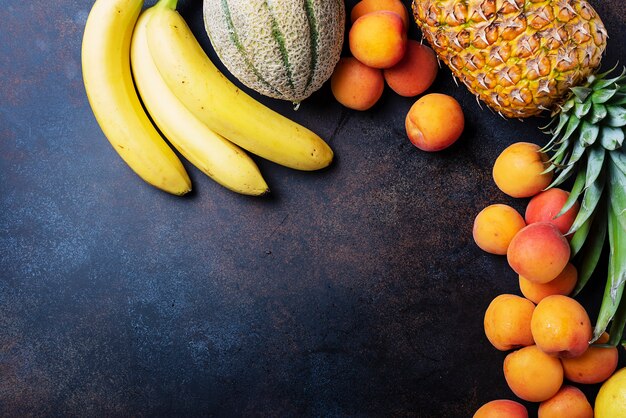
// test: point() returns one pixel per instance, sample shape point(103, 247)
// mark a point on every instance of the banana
point(223, 107)
point(111, 93)
point(218, 158)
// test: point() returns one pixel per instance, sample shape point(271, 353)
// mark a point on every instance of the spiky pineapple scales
point(518, 56)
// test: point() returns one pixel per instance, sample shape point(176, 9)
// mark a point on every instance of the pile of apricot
point(547, 331)
point(382, 54)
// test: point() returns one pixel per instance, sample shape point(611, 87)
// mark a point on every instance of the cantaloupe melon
point(285, 49)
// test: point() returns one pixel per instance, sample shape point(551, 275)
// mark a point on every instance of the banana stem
point(170, 4)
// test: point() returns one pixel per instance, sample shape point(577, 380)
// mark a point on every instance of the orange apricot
point(502, 408)
point(356, 85)
point(539, 252)
point(546, 205)
point(507, 322)
point(434, 122)
point(415, 73)
point(518, 170)
point(561, 327)
point(595, 365)
point(368, 6)
point(495, 226)
point(532, 374)
point(564, 283)
point(569, 402)
point(378, 39)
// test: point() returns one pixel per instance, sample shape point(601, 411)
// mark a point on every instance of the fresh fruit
point(223, 107)
point(502, 408)
point(519, 170)
point(415, 73)
point(434, 122)
point(355, 85)
point(594, 366)
point(587, 143)
point(545, 206)
point(218, 158)
point(569, 402)
point(368, 6)
point(507, 322)
point(521, 64)
point(538, 252)
point(278, 49)
point(560, 326)
point(562, 285)
point(518, 56)
point(111, 93)
point(532, 374)
point(611, 399)
point(378, 39)
point(495, 226)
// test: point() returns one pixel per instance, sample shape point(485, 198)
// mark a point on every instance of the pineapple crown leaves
point(587, 141)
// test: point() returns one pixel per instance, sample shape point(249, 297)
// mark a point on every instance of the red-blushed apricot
point(561, 327)
point(539, 252)
point(415, 73)
point(564, 284)
point(378, 39)
point(569, 402)
point(532, 374)
point(507, 322)
point(595, 365)
point(434, 122)
point(502, 408)
point(546, 205)
point(368, 6)
point(356, 85)
point(495, 226)
point(518, 170)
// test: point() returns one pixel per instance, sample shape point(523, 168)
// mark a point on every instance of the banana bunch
point(201, 113)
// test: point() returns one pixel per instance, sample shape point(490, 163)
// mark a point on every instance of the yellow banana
point(218, 158)
point(222, 106)
point(109, 85)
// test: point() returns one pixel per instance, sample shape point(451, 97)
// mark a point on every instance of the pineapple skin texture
point(520, 57)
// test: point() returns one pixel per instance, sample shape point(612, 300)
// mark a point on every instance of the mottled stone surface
point(356, 291)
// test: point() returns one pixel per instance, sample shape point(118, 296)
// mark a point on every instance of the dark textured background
point(356, 291)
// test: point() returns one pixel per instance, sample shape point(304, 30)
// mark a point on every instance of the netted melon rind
point(271, 45)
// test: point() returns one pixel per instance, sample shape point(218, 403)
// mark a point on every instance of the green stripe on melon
point(313, 37)
point(282, 49)
point(234, 38)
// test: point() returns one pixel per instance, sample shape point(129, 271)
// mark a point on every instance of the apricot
point(507, 322)
point(495, 226)
point(569, 402)
point(518, 170)
point(502, 408)
point(539, 252)
point(546, 205)
point(564, 283)
point(378, 39)
point(368, 6)
point(356, 85)
point(532, 374)
point(434, 122)
point(594, 366)
point(561, 327)
point(415, 73)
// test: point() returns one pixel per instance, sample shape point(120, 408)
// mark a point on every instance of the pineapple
point(522, 57)
point(519, 56)
point(587, 138)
